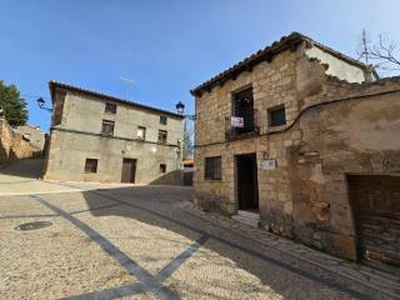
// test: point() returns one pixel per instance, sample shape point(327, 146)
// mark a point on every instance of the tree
point(383, 55)
point(13, 106)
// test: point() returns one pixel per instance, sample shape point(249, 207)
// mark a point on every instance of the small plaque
point(268, 164)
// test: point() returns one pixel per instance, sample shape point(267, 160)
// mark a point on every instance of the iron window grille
point(91, 165)
point(107, 127)
point(213, 168)
point(111, 108)
point(277, 116)
point(162, 137)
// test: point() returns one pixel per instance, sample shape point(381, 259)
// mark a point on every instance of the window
point(163, 120)
point(107, 127)
point(243, 107)
point(163, 168)
point(213, 168)
point(141, 133)
point(277, 116)
point(111, 108)
point(91, 165)
point(162, 137)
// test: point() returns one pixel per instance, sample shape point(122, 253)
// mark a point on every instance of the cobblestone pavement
point(149, 243)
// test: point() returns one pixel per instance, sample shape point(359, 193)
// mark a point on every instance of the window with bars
point(213, 168)
point(277, 116)
point(243, 107)
point(91, 165)
point(141, 133)
point(163, 120)
point(162, 137)
point(111, 108)
point(107, 127)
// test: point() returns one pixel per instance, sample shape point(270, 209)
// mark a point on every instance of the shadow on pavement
point(28, 168)
point(160, 206)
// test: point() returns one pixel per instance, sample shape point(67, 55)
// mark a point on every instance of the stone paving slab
point(387, 285)
point(21, 206)
point(78, 202)
point(289, 265)
point(53, 262)
point(205, 276)
point(147, 240)
point(167, 243)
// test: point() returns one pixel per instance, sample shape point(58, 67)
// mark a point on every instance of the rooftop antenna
point(364, 44)
point(127, 82)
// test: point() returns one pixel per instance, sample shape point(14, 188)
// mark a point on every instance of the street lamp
point(180, 108)
point(41, 103)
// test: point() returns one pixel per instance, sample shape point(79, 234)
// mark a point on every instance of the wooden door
point(246, 182)
point(128, 170)
point(376, 208)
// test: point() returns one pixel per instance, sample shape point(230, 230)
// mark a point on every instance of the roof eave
point(55, 84)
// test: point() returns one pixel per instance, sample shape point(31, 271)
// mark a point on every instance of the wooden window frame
point(272, 120)
point(91, 165)
point(110, 108)
point(162, 141)
point(163, 120)
point(107, 123)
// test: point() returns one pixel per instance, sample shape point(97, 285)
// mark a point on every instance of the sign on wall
point(268, 164)
point(237, 122)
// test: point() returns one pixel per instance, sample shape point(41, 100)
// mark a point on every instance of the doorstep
point(247, 217)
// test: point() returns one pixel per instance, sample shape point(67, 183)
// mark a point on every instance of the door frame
point(133, 169)
point(351, 178)
point(253, 155)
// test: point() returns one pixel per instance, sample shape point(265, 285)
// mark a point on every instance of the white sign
point(268, 164)
point(237, 122)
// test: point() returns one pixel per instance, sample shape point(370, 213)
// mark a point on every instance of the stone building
point(96, 137)
point(33, 134)
point(304, 141)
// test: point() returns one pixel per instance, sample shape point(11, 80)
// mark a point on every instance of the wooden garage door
point(376, 208)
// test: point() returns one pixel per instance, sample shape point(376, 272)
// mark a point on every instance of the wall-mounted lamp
point(180, 108)
point(41, 103)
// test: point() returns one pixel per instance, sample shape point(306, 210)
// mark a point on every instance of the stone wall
point(76, 136)
point(69, 151)
point(333, 128)
point(12, 144)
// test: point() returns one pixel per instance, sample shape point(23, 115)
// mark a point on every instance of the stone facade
point(76, 135)
point(33, 134)
point(339, 121)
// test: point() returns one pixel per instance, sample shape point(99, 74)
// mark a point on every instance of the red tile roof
point(286, 42)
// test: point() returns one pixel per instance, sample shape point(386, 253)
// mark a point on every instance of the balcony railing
point(249, 127)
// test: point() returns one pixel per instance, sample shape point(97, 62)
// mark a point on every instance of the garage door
point(376, 208)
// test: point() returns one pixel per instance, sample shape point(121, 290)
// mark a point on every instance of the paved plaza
point(147, 242)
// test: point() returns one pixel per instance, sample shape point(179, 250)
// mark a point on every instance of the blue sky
point(166, 47)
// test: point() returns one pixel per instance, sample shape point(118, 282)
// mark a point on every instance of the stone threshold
point(246, 217)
